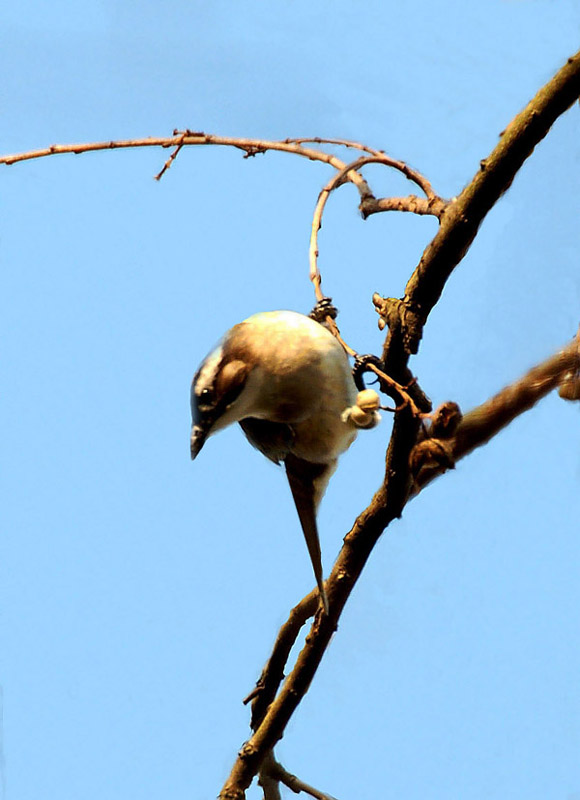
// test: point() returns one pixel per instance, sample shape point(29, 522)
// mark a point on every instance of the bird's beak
point(198, 436)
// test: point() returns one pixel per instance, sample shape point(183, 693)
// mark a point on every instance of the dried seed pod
point(429, 458)
point(444, 420)
point(368, 400)
point(360, 418)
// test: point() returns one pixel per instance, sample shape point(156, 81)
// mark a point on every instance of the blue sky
point(140, 593)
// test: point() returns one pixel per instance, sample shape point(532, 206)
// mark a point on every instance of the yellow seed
point(368, 400)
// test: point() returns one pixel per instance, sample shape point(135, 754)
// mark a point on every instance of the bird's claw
point(323, 309)
point(361, 365)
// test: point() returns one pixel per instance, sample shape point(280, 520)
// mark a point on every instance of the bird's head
point(215, 394)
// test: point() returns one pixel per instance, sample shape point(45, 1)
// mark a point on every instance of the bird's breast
point(311, 398)
point(300, 376)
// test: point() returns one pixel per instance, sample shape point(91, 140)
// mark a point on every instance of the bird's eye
point(205, 396)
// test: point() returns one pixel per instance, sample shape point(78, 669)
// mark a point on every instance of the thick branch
point(460, 224)
point(463, 216)
point(434, 456)
point(482, 423)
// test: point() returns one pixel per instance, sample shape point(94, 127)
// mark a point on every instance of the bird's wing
point(307, 483)
point(272, 439)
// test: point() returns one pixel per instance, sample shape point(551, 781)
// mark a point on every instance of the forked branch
point(460, 223)
point(272, 774)
point(250, 148)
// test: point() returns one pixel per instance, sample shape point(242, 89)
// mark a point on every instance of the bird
point(287, 381)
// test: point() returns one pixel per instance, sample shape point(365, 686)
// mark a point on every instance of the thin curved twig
point(380, 155)
point(340, 142)
point(399, 389)
point(433, 205)
point(337, 180)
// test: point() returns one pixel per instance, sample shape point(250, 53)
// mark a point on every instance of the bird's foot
point(323, 309)
point(362, 365)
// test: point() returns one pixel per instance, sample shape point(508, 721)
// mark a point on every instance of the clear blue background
point(140, 593)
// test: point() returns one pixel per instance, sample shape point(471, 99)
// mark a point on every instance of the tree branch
point(433, 205)
point(463, 216)
point(187, 138)
point(487, 420)
point(273, 672)
point(436, 454)
point(272, 773)
point(459, 226)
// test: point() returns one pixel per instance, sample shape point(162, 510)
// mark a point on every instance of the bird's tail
point(303, 478)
